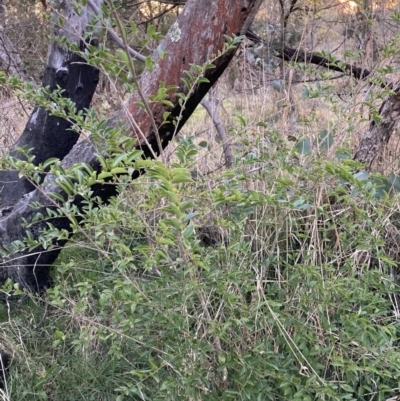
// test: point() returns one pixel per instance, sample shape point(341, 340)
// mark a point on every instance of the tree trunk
point(50, 136)
point(379, 133)
point(197, 37)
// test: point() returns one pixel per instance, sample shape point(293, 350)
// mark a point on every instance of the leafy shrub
point(274, 280)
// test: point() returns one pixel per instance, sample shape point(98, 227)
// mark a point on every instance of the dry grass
point(14, 114)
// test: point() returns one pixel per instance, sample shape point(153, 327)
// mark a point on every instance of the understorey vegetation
point(273, 279)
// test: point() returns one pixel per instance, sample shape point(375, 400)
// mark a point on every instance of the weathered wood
point(196, 37)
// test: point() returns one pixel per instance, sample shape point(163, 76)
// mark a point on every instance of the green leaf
point(277, 85)
point(143, 163)
point(188, 231)
point(361, 175)
point(172, 222)
point(325, 140)
point(134, 28)
point(173, 209)
point(149, 63)
point(136, 154)
point(59, 335)
point(123, 56)
point(189, 216)
point(203, 80)
point(298, 203)
point(50, 161)
point(179, 178)
point(104, 175)
point(347, 388)
point(167, 103)
point(119, 170)
point(305, 93)
point(303, 146)
point(119, 159)
point(151, 31)
point(241, 120)
point(165, 241)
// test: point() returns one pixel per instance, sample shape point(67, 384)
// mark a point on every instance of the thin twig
point(116, 38)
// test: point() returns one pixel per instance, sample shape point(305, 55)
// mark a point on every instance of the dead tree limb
point(303, 56)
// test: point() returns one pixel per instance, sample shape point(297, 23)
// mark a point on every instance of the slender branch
point(226, 146)
point(167, 10)
point(115, 37)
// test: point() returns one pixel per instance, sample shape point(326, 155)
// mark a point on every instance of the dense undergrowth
point(275, 280)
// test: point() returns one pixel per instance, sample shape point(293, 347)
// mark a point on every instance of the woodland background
point(258, 257)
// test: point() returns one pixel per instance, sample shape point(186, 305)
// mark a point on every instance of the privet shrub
point(274, 280)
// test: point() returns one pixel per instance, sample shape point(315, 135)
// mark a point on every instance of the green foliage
point(274, 280)
point(276, 285)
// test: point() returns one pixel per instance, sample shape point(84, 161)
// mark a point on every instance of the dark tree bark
point(196, 37)
point(47, 135)
point(378, 135)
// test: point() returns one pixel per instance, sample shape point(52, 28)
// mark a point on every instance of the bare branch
point(303, 56)
point(226, 146)
point(115, 37)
